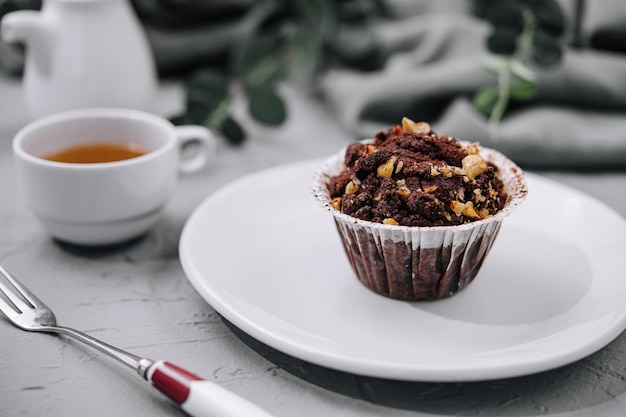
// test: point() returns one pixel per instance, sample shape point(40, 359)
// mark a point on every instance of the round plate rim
point(453, 373)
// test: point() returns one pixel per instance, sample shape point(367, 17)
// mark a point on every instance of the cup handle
point(200, 135)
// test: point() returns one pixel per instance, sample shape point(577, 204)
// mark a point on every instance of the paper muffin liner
point(419, 263)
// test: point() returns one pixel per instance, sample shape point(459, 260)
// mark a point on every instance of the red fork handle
point(199, 397)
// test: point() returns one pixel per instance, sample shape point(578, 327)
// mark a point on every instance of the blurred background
point(542, 80)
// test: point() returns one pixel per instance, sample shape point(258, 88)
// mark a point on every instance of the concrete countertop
point(137, 297)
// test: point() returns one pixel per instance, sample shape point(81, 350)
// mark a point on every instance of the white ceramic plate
point(266, 257)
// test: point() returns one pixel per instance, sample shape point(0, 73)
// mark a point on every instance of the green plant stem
point(504, 80)
point(266, 69)
point(505, 74)
point(261, 74)
point(217, 118)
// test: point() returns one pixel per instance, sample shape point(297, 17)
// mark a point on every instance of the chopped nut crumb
point(351, 187)
point(403, 192)
point(473, 166)
point(470, 212)
point(385, 170)
point(409, 126)
point(472, 148)
point(457, 207)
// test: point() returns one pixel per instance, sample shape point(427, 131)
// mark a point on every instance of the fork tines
point(18, 298)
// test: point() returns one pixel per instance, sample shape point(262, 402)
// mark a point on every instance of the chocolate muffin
point(417, 213)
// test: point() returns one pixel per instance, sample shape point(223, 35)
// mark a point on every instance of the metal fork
point(196, 396)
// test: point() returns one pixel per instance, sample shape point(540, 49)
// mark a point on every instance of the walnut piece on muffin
point(410, 176)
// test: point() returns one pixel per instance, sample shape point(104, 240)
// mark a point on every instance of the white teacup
point(103, 203)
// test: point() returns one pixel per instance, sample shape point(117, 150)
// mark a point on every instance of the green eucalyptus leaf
point(485, 100)
point(523, 90)
point(502, 42)
point(206, 90)
point(209, 81)
point(266, 106)
point(547, 52)
point(501, 13)
point(181, 119)
point(197, 112)
point(232, 131)
point(203, 99)
point(549, 16)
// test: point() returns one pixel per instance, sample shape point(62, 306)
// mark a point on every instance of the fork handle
point(199, 397)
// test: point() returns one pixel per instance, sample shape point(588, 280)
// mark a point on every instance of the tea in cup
point(102, 176)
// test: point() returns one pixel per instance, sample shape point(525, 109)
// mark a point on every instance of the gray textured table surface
point(138, 298)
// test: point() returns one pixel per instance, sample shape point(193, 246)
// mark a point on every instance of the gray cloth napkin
point(433, 66)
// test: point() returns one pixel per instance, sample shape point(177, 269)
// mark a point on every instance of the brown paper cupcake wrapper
point(426, 265)
point(419, 263)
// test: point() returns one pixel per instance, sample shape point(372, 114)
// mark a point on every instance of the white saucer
point(552, 291)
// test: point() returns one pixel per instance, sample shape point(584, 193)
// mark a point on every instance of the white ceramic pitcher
point(83, 53)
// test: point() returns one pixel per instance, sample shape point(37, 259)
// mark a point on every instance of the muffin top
point(408, 175)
